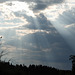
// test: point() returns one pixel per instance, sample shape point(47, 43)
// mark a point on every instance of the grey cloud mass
point(1, 1)
point(40, 46)
point(40, 4)
point(44, 45)
point(67, 17)
point(45, 1)
point(44, 24)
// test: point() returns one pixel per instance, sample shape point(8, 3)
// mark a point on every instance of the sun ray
point(60, 24)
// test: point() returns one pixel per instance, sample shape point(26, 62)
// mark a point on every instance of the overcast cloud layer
point(38, 32)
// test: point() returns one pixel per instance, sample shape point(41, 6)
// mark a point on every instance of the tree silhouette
point(6, 68)
point(72, 57)
point(2, 54)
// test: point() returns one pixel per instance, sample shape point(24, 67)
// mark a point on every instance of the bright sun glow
point(53, 12)
point(7, 16)
point(17, 6)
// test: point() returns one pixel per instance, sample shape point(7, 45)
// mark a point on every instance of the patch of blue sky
point(9, 21)
point(14, 21)
point(4, 26)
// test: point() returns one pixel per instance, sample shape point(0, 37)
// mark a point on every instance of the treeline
point(8, 69)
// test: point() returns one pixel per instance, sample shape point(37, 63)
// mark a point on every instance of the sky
point(38, 32)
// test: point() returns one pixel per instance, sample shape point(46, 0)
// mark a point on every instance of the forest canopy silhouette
point(8, 69)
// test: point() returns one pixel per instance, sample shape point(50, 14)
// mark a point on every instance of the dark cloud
point(45, 1)
point(43, 47)
point(1, 1)
point(43, 23)
point(40, 46)
point(42, 4)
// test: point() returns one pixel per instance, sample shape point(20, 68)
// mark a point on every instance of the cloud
point(69, 26)
point(45, 3)
point(40, 4)
point(67, 20)
point(67, 16)
point(38, 23)
point(37, 41)
point(8, 19)
point(1, 1)
point(36, 45)
point(39, 47)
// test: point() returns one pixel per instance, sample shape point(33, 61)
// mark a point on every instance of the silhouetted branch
point(2, 54)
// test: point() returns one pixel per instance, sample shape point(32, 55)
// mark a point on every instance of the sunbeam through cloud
point(38, 31)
